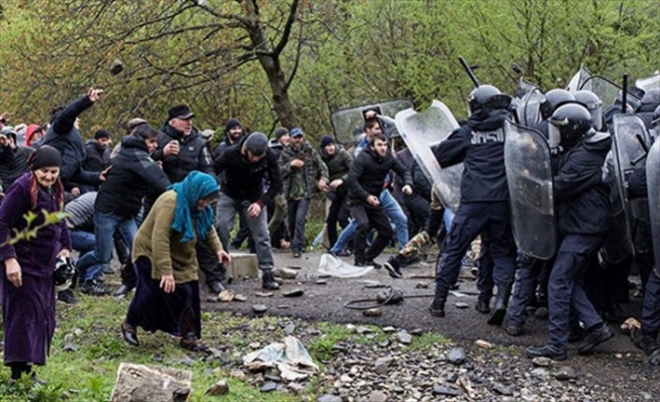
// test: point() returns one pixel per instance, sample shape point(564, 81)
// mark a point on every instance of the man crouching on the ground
point(365, 182)
point(245, 166)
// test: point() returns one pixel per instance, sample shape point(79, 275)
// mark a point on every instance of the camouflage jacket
point(301, 182)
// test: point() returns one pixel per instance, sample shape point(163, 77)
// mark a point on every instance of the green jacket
point(157, 241)
point(301, 182)
point(338, 164)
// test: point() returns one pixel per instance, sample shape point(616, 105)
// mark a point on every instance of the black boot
point(437, 307)
point(647, 341)
point(268, 281)
point(501, 302)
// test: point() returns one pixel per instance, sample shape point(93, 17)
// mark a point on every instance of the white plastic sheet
point(333, 266)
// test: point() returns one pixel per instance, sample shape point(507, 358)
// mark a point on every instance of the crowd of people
point(166, 201)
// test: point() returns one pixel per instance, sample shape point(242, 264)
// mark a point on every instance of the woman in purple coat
point(26, 268)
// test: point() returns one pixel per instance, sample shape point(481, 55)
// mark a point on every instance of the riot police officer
point(582, 205)
point(484, 205)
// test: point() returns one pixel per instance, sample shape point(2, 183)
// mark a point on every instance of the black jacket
point(245, 181)
point(480, 146)
point(96, 158)
point(582, 197)
point(421, 184)
point(65, 137)
point(193, 154)
point(368, 173)
point(134, 175)
point(13, 163)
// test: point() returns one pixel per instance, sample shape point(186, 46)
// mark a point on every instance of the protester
point(26, 277)
point(244, 168)
point(167, 295)
point(338, 161)
point(302, 172)
point(277, 226)
point(134, 175)
point(13, 158)
point(365, 182)
point(64, 136)
point(181, 149)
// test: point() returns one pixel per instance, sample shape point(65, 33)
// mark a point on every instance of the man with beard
point(484, 205)
point(365, 181)
point(233, 134)
point(302, 171)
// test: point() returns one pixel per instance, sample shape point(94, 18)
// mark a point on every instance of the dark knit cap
point(102, 134)
point(231, 123)
point(280, 132)
point(46, 156)
point(327, 140)
point(257, 143)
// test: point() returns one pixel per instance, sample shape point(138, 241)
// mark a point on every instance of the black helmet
point(485, 98)
point(64, 270)
point(572, 121)
point(554, 98)
point(593, 104)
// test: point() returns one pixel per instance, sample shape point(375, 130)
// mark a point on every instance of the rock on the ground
point(456, 356)
point(219, 388)
point(377, 396)
point(372, 312)
point(259, 308)
point(382, 364)
point(565, 373)
point(329, 398)
point(268, 387)
point(404, 337)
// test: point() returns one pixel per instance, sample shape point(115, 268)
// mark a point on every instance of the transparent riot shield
point(630, 145)
point(576, 82)
point(529, 111)
point(648, 82)
point(653, 184)
point(608, 92)
point(421, 131)
point(529, 176)
point(614, 250)
point(345, 121)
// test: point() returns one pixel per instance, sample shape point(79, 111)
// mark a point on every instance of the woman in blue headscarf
point(167, 295)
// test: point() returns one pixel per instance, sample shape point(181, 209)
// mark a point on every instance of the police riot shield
point(576, 82)
point(421, 131)
point(614, 250)
point(529, 110)
point(529, 177)
point(653, 184)
point(609, 92)
point(630, 144)
point(345, 121)
point(649, 82)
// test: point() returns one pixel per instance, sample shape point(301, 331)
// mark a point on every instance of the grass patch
point(88, 374)
point(321, 348)
point(428, 340)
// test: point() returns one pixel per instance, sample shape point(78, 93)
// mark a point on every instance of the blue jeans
point(105, 225)
point(81, 241)
point(394, 211)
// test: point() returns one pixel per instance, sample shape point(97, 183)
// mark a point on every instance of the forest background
point(293, 62)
